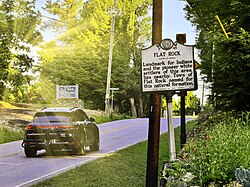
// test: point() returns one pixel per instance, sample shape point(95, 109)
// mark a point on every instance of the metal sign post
point(181, 38)
point(112, 98)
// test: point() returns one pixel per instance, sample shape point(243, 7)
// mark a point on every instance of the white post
point(172, 152)
point(112, 101)
point(77, 92)
point(112, 97)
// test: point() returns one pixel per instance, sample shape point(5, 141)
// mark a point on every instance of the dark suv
point(61, 129)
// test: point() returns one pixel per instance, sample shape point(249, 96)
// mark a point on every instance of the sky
point(174, 21)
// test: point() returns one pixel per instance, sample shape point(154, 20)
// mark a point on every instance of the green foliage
point(18, 32)
point(9, 135)
point(243, 175)
point(224, 61)
point(192, 104)
point(232, 93)
point(176, 106)
point(42, 91)
point(221, 148)
point(106, 118)
point(80, 53)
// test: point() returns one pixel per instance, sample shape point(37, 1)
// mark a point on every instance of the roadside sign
point(67, 92)
point(168, 70)
point(114, 89)
point(197, 65)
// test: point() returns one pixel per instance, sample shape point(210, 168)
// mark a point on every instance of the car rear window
point(51, 119)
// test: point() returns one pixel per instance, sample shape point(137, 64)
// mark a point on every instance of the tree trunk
point(116, 108)
point(133, 108)
point(140, 110)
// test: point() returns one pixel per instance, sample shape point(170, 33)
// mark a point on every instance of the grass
point(106, 118)
point(8, 135)
point(126, 168)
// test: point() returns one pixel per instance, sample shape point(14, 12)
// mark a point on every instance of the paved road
point(17, 170)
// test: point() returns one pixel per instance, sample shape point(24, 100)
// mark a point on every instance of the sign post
point(181, 38)
point(112, 99)
point(165, 68)
point(168, 67)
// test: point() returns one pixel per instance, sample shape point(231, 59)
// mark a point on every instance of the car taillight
point(28, 127)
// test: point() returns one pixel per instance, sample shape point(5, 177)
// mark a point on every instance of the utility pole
point(181, 38)
point(155, 108)
point(107, 97)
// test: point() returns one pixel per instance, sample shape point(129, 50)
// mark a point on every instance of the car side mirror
point(92, 119)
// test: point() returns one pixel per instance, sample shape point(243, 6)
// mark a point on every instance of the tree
point(79, 55)
point(231, 73)
point(225, 61)
point(18, 32)
point(192, 104)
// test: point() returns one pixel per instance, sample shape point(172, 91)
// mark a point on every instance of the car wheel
point(81, 147)
point(30, 152)
point(96, 145)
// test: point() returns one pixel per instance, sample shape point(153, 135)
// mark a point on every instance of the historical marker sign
point(67, 92)
point(168, 70)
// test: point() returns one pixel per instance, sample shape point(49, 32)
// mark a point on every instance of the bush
point(217, 152)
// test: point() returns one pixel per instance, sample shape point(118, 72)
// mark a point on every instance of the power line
point(54, 19)
point(43, 3)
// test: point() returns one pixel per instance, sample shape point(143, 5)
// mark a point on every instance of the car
point(61, 129)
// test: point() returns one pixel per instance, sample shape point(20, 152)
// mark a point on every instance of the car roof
point(59, 109)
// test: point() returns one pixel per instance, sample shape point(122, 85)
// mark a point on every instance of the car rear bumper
point(50, 140)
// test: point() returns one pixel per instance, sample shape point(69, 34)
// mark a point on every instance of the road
point(16, 170)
